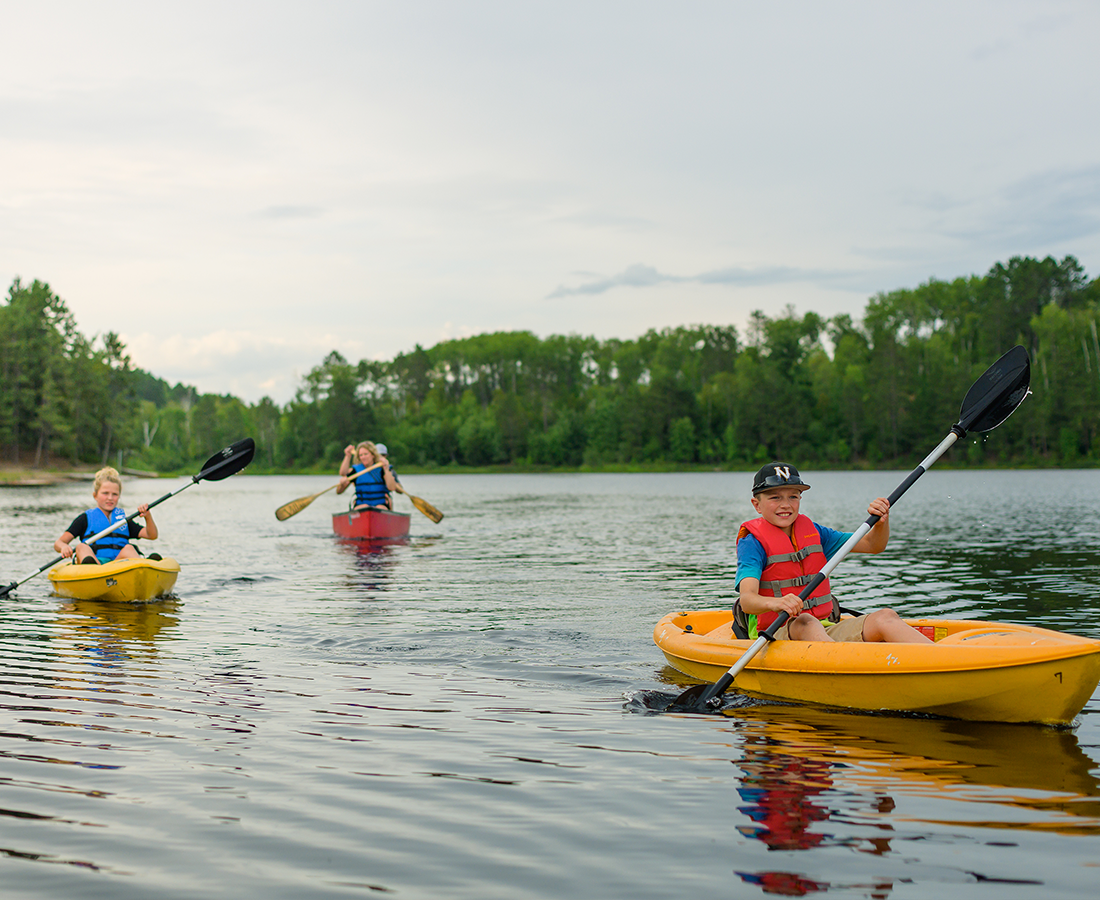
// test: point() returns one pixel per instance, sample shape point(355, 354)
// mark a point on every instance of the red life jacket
point(788, 570)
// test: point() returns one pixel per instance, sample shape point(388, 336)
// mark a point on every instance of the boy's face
point(779, 506)
point(106, 497)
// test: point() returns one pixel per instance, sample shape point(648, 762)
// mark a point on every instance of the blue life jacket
point(106, 548)
point(370, 489)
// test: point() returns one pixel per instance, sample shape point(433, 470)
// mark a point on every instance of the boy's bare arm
point(875, 540)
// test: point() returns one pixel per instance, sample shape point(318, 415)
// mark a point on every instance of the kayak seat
point(742, 635)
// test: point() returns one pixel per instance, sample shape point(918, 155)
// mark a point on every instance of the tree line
point(831, 392)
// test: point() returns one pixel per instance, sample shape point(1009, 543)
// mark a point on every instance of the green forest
point(825, 392)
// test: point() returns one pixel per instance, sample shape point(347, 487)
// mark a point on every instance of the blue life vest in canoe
point(370, 489)
point(106, 548)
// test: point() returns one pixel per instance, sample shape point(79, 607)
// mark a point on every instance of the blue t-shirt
point(751, 557)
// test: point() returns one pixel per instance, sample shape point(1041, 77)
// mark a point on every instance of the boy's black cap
point(777, 474)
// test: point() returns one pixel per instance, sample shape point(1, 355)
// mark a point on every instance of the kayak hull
point(124, 580)
point(370, 524)
point(978, 671)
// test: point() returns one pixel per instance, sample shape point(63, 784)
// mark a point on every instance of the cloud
point(1058, 205)
point(1043, 209)
point(251, 192)
point(291, 212)
point(237, 362)
point(633, 276)
point(642, 276)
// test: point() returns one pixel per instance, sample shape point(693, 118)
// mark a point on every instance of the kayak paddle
point(990, 400)
point(294, 507)
point(227, 461)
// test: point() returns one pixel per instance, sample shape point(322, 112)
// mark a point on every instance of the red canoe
point(370, 524)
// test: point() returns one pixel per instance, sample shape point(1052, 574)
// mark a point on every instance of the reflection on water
point(374, 561)
point(116, 631)
point(804, 769)
point(442, 716)
point(925, 757)
point(779, 790)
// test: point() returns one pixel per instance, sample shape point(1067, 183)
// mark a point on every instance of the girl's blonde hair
point(369, 445)
point(107, 473)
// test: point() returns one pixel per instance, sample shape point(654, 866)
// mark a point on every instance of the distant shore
point(26, 476)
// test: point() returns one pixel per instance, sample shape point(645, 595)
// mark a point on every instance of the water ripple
point(469, 712)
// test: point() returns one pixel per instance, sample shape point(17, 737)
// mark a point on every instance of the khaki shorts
point(847, 630)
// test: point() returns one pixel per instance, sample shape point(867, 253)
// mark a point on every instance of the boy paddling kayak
point(778, 554)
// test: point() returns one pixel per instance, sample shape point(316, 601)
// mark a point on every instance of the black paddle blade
point(997, 394)
point(228, 461)
point(694, 699)
point(702, 698)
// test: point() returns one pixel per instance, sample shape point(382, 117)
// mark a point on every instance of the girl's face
point(365, 456)
point(106, 498)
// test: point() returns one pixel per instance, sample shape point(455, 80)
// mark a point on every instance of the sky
point(237, 189)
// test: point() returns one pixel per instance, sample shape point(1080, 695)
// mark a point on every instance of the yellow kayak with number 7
point(979, 671)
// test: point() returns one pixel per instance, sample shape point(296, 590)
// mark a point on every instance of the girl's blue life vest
point(370, 489)
point(107, 547)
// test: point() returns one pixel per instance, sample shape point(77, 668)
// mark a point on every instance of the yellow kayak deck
point(979, 671)
point(125, 580)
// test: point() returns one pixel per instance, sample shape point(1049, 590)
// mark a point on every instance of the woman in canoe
point(372, 489)
point(779, 552)
point(106, 492)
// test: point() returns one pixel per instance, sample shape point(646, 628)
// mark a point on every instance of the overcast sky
point(238, 188)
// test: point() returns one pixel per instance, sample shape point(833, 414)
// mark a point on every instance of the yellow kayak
point(123, 579)
point(979, 671)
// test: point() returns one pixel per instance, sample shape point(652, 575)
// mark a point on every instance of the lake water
point(459, 715)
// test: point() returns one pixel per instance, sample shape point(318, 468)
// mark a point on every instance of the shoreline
point(18, 477)
point(23, 476)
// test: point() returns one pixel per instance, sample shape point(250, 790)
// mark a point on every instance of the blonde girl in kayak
point(106, 491)
point(779, 552)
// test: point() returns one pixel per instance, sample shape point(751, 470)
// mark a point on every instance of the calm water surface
point(460, 715)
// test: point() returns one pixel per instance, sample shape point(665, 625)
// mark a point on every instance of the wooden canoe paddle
point(294, 507)
point(423, 505)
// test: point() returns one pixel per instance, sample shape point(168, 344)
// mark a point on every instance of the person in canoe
point(780, 551)
point(106, 491)
point(384, 453)
point(373, 488)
